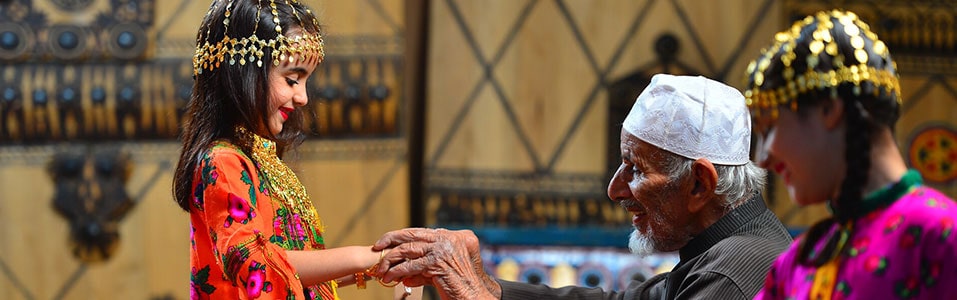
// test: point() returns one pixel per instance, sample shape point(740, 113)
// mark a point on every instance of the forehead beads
point(302, 46)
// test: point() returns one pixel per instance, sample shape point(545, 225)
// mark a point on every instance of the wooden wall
point(518, 105)
point(526, 91)
point(525, 98)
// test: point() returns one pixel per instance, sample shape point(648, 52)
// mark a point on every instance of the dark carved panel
point(91, 195)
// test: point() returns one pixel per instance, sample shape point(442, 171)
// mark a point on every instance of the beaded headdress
point(809, 58)
point(211, 51)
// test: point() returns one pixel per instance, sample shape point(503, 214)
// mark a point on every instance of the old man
point(687, 179)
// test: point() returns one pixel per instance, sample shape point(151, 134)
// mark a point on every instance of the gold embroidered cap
point(211, 54)
point(808, 57)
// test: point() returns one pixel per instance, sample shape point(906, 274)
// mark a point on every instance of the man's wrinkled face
point(657, 203)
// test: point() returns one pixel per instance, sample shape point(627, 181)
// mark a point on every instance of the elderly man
point(685, 175)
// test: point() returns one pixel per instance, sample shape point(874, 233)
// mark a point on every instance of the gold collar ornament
point(283, 185)
point(304, 46)
point(811, 75)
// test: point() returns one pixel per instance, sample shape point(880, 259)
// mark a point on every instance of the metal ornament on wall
point(81, 30)
point(356, 96)
point(350, 97)
point(15, 39)
point(126, 41)
point(90, 193)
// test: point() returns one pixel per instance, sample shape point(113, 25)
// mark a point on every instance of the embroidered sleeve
point(935, 277)
point(235, 213)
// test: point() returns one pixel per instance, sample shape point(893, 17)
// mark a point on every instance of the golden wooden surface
point(545, 76)
point(152, 258)
point(544, 73)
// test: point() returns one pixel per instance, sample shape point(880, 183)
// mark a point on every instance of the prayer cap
point(694, 117)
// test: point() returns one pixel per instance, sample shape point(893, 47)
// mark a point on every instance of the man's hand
point(450, 260)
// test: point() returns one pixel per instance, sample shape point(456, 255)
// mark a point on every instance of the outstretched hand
point(449, 260)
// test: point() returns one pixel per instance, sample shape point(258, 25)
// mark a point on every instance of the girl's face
point(807, 152)
point(287, 91)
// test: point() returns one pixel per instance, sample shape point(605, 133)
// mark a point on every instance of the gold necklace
point(283, 183)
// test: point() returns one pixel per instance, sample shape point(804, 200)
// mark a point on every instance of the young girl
point(254, 230)
point(824, 99)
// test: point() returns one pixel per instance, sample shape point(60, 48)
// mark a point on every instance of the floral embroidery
point(876, 265)
point(929, 271)
point(859, 246)
point(208, 175)
point(239, 211)
point(842, 290)
point(933, 202)
point(199, 282)
point(256, 282)
point(244, 176)
point(946, 228)
point(246, 264)
point(911, 236)
point(892, 223)
point(233, 259)
point(213, 235)
point(907, 288)
point(902, 251)
point(192, 236)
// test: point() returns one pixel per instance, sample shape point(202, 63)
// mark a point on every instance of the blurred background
point(500, 116)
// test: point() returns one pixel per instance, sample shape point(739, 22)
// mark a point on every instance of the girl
point(824, 99)
point(254, 230)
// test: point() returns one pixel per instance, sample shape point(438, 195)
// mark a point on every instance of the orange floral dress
point(239, 232)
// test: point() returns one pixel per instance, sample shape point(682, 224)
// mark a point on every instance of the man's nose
point(617, 187)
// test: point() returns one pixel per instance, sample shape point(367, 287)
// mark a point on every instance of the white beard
point(641, 244)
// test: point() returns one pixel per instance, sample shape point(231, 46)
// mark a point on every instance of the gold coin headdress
point(212, 52)
point(810, 57)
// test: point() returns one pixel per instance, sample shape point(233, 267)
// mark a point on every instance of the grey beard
point(641, 244)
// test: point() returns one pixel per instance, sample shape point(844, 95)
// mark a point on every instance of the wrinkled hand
point(449, 260)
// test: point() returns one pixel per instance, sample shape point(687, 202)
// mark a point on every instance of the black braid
point(857, 155)
point(814, 234)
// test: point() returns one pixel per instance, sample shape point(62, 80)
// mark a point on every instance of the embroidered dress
point(246, 211)
point(904, 250)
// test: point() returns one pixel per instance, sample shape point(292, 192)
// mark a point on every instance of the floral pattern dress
point(907, 250)
point(239, 234)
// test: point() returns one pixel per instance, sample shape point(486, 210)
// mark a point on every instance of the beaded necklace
point(284, 185)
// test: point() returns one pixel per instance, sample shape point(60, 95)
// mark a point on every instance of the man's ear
point(705, 182)
point(832, 112)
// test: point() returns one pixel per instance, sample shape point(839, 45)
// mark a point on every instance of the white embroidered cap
point(694, 117)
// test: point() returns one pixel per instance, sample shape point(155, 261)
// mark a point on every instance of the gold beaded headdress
point(210, 54)
point(767, 93)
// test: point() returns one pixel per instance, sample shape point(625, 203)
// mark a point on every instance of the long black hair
point(870, 103)
point(233, 95)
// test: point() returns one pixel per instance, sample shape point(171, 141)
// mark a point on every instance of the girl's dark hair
point(868, 106)
point(233, 95)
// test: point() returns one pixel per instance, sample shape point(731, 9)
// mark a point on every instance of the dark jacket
point(729, 260)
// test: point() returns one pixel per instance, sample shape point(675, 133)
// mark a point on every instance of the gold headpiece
point(822, 46)
point(304, 46)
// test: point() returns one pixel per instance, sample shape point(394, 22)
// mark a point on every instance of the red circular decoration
point(933, 152)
